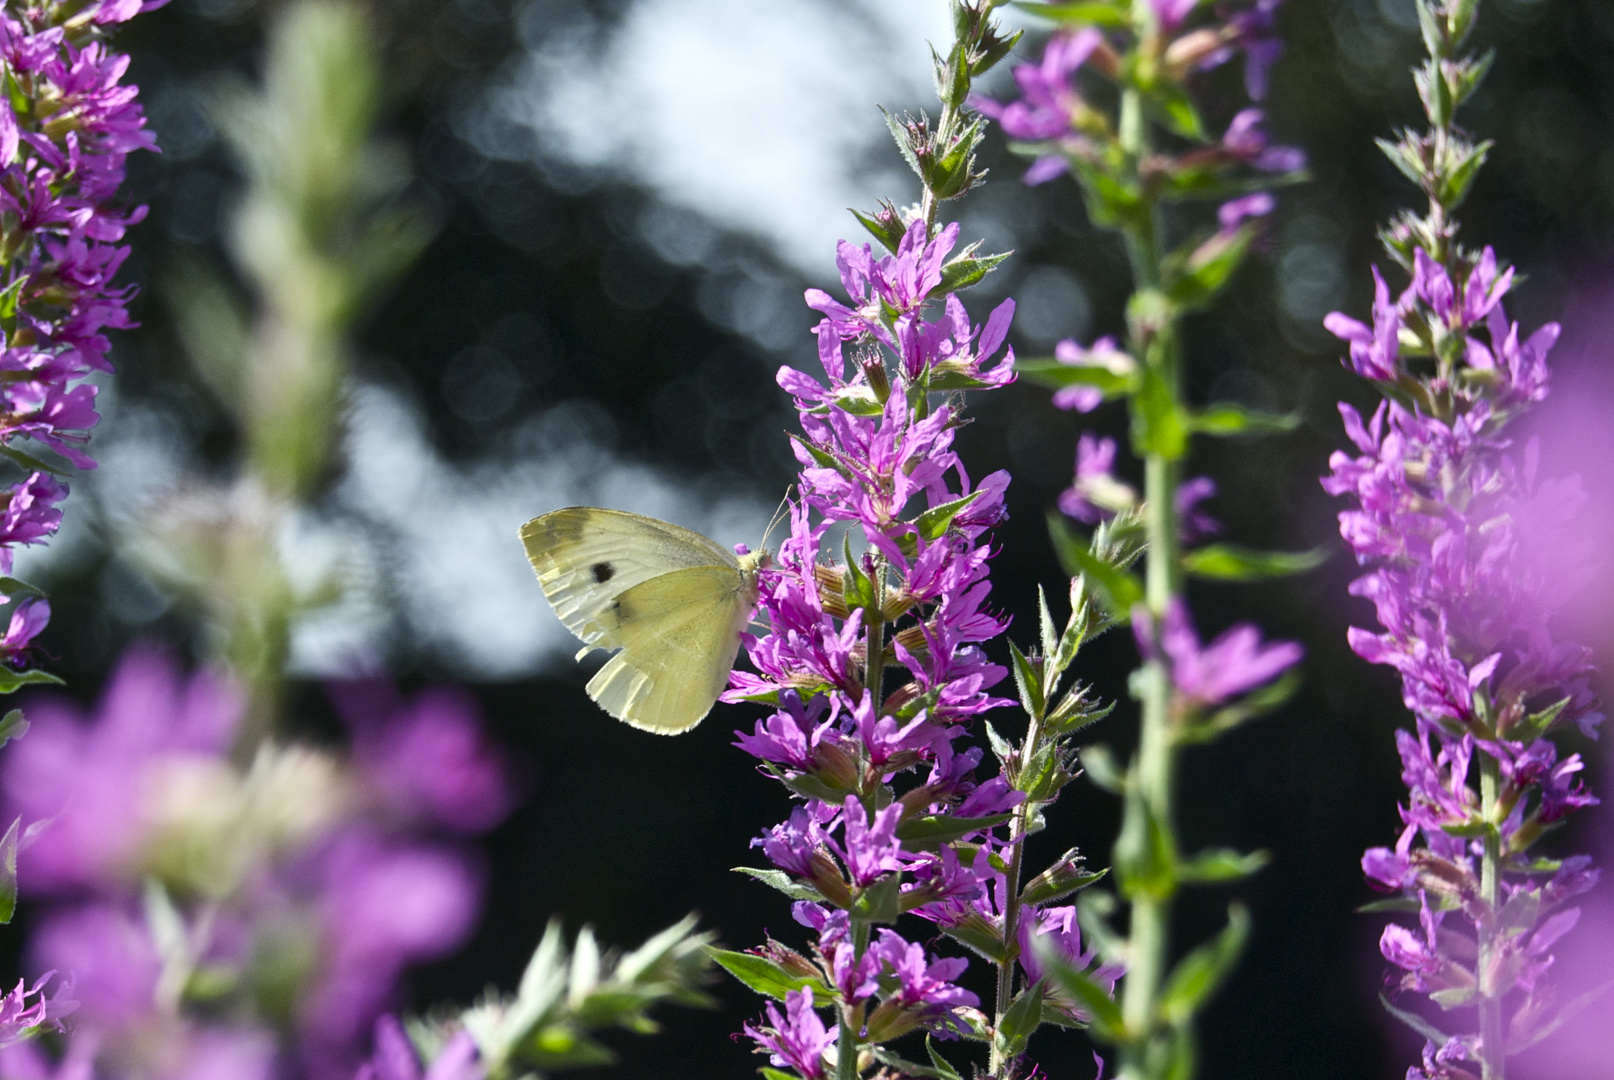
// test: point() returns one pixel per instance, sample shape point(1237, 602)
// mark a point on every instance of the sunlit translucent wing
point(671, 600)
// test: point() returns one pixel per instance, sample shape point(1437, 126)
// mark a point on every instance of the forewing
point(679, 634)
point(587, 557)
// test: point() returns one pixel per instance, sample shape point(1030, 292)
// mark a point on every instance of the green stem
point(847, 1044)
point(1011, 907)
point(1493, 1049)
point(1155, 771)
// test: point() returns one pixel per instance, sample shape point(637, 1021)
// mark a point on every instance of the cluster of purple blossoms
point(878, 466)
point(1052, 113)
point(180, 890)
point(1467, 567)
point(66, 128)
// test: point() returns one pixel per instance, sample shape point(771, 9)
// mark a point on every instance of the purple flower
point(1056, 929)
point(85, 782)
point(428, 757)
point(1170, 13)
point(872, 848)
point(925, 985)
point(1049, 102)
point(395, 1058)
point(1104, 354)
point(1233, 214)
point(1096, 495)
point(61, 164)
point(26, 1011)
point(1205, 676)
point(1245, 141)
point(793, 846)
point(798, 1040)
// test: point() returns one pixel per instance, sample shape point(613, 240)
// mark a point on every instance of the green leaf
point(905, 1067)
point(943, 1066)
point(1092, 997)
point(1221, 864)
point(980, 938)
point(857, 588)
point(12, 726)
point(1395, 904)
point(1057, 375)
point(782, 881)
point(926, 831)
point(890, 239)
point(1023, 1017)
point(770, 1073)
point(936, 521)
point(822, 458)
point(1060, 880)
point(1234, 562)
point(29, 462)
point(1159, 422)
point(961, 273)
point(1199, 973)
point(1226, 418)
point(1257, 703)
point(766, 977)
point(1145, 852)
point(1174, 108)
point(1028, 680)
point(1047, 634)
point(880, 902)
point(1455, 997)
point(1118, 590)
point(1111, 200)
point(8, 299)
point(8, 873)
point(10, 586)
point(1205, 270)
point(11, 681)
point(900, 134)
point(1091, 14)
point(1102, 769)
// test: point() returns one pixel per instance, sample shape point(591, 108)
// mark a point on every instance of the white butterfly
point(671, 600)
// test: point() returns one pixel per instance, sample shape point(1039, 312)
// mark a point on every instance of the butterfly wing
point(671, 600)
point(679, 634)
point(585, 557)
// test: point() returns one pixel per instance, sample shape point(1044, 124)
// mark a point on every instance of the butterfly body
point(671, 601)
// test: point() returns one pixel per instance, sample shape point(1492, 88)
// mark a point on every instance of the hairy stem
point(1493, 1049)
point(1011, 906)
point(848, 1044)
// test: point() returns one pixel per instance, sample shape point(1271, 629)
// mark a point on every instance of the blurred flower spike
point(1465, 565)
point(173, 876)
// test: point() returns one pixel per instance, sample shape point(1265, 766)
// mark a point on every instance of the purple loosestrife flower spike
point(1464, 564)
point(65, 133)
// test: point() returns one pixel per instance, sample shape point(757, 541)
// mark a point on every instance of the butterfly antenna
point(778, 516)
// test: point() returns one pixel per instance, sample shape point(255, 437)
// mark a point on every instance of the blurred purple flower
point(427, 757)
point(1209, 675)
point(82, 781)
point(395, 1058)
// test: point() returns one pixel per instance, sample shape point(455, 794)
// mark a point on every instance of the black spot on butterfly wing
point(603, 572)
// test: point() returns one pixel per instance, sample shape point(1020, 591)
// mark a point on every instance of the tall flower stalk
point(1137, 163)
point(68, 122)
point(873, 660)
point(1466, 566)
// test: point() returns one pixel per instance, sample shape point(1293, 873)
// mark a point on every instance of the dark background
point(628, 831)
